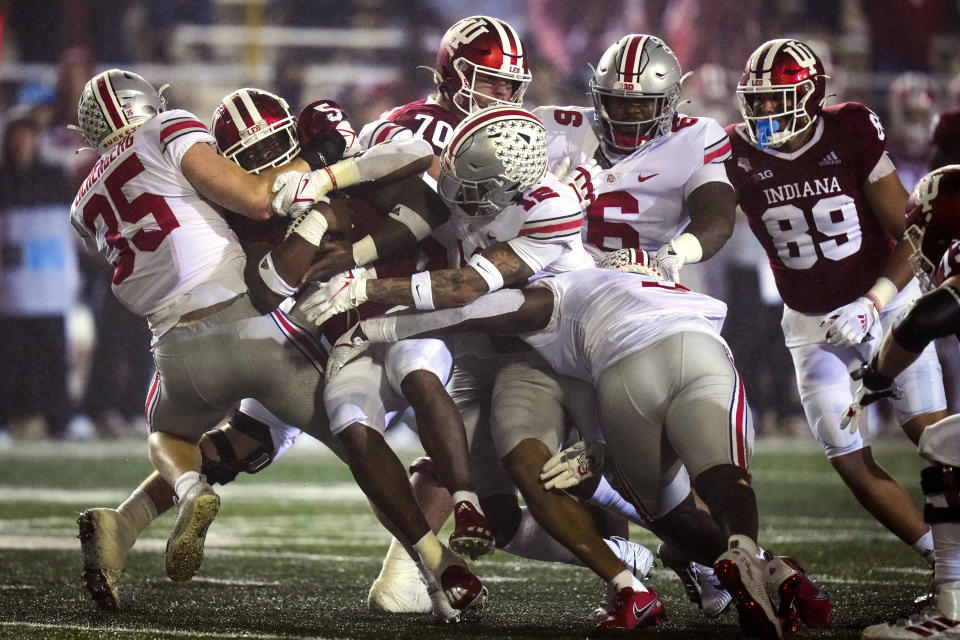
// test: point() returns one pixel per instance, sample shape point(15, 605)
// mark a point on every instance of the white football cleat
point(939, 621)
point(399, 588)
point(700, 582)
point(637, 558)
point(742, 574)
point(104, 543)
point(185, 547)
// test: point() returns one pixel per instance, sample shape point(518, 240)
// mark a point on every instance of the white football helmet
point(493, 156)
point(113, 104)
point(637, 67)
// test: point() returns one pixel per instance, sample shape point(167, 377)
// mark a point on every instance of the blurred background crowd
point(75, 364)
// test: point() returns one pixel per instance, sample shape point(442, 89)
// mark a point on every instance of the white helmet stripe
point(252, 110)
point(630, 61)
point(509, 41)
point(766, 70)
point(230, 103)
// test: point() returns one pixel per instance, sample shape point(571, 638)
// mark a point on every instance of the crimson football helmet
point(789, 74)
point(645, 70)
point(114, 103)
point(493, 156)
point(933, 222)
point(255, 129)
point(480, 45)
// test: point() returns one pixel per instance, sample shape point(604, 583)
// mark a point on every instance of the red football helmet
point(480, 45)
point(789, 74)
point(933, 222)
point(255, 129)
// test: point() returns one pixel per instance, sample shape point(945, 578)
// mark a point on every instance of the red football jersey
point(807, 208)
point(949, 265)
point(427, 120)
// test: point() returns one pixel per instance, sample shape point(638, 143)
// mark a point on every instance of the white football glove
point(573, 465)
point(295, 192)
point(850, 324)
point(873, 387)
point(344, 291)
point(629, 260)
point(684, 249)
point(581, 180)
point(348, 346)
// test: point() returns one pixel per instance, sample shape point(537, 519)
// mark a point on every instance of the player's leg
point(419, 370)
point(824, 384)
point(357, 419)
point(939, 445)
point(693, 372)
point(528, 426)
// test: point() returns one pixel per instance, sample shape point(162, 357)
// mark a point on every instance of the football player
point(515, 221)
point(933, 231)
point(177, 412)
point(649, 177)
point(606, 326)
point(480, 62)
point(823, 198)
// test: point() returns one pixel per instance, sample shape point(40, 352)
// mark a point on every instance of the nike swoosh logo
point(345, 285)
point(304, 181)
point(643, 178)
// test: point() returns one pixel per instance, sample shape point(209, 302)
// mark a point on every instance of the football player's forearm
point(898, 269)
point(713, 210)
point(449, 288)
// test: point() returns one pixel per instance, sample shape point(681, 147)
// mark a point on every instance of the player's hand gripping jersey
point(171, 250)
point(807, 208)
point(634, 201)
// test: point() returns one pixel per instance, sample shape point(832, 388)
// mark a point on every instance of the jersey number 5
point(130, 212)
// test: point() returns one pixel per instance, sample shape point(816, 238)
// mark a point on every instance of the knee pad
point(227, 465)
point(941, 480)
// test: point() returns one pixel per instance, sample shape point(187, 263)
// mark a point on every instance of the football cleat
point(631, 609)
point(104, 547)
point(942, 620)
point(700, 582)
point(185, 547)
point(637, 558)
point(462, 588)
point(788, 586)
point(399, 588)
point(741, 573)
point(472, 535)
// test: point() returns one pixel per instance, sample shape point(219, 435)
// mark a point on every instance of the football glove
point(851, 323)
point(295, 192)
point(873, 387)
point(344, 291)
point(575, 464)
point(348, 346)
point(684, 249)
point(630, 260)
point(581, 179)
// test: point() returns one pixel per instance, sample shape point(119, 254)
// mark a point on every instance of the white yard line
point(153, 632)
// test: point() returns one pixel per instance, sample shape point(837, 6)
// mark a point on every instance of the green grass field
point(295, 548)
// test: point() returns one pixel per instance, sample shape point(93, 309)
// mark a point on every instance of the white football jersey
point(172, 252)
point(601, 315)
point(543, 229)
point(637, 202)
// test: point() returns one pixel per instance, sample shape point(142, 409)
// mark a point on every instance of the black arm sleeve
point(931, 316)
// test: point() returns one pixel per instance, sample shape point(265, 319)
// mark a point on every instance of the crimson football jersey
point(808, 210)
point(426, 119)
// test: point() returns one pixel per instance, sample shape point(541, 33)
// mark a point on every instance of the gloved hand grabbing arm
point(345, 291)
